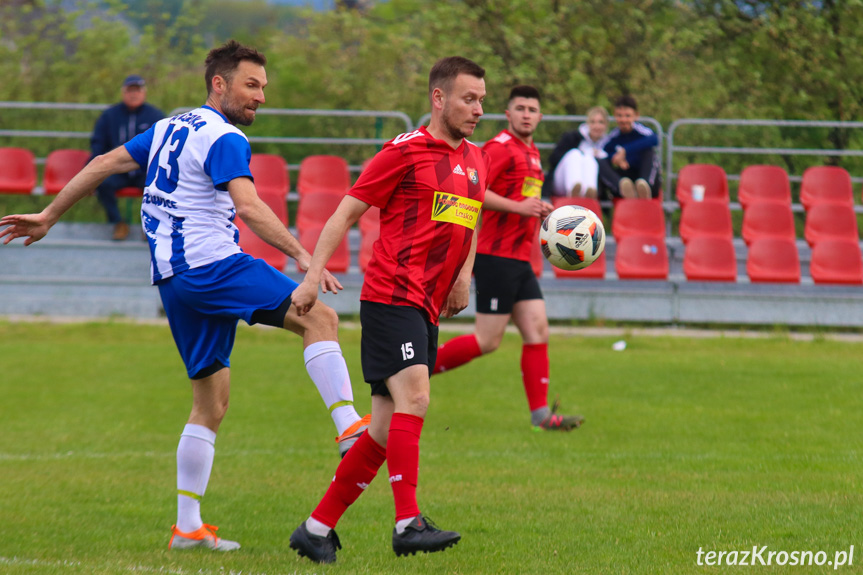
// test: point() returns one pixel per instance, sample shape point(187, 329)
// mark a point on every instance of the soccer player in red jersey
point(429, 185)
point(506, 286)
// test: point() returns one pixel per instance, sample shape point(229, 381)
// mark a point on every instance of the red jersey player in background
point(429, 185)
point(506, 286)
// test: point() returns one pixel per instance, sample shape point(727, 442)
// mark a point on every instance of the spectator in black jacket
point(632, 166)
point(116, 126)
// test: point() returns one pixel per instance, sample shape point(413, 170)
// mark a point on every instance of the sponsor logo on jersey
point(457, 170)
point(473, 176)
point(531, 188)
point(535, 161)
point(455, 210)
point(158, 201)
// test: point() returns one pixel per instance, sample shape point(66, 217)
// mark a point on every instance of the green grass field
point(720, 444)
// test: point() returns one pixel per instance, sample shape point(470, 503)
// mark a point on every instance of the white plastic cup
point(698, 193)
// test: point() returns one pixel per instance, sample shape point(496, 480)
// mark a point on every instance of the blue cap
point(133, 80)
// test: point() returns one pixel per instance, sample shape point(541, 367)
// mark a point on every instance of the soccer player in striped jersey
point(198, 180)
point(429, 185)
point(506, 287)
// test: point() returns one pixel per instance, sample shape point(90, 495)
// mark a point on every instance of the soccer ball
point(572, 237)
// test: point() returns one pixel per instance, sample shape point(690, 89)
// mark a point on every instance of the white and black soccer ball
point(572, 237)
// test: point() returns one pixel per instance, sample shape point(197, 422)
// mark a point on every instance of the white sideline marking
point(135, 568)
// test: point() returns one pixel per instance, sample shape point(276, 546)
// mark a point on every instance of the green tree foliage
point(709, 58)
point(48, 53)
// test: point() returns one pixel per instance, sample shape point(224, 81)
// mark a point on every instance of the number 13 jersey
point(187, 212)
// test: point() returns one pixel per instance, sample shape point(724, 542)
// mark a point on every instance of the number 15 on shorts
point(407, 350)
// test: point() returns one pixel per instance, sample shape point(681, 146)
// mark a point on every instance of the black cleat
point(318, 549)
point(555, 422)
point(422, 535)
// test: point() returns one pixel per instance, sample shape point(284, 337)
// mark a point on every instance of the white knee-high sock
point(195, 455)
point(327, 368)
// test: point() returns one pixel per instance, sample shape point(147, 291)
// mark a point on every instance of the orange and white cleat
point(351, 434)
point(204, 537)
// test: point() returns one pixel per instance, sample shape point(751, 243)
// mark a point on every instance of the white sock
point(327, 368)
point(315, 527)
point(400, 525)
point(195, 455)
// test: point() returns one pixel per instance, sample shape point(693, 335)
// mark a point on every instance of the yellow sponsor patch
point(532, 187)
point(456, 210)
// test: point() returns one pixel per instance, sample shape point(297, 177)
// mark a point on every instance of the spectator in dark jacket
point(632, 166)
point(116, 126)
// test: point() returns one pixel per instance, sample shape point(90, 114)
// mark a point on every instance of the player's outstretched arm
point(267, 226)
point(33, 227)
point(346, 215)
point(459, 295)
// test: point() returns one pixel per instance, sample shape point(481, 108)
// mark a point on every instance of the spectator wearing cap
point(116, 126)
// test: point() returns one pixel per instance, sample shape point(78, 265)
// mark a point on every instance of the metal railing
point(574, 119)
point(673, 148)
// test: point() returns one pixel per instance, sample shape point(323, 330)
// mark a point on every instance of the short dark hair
point(446, 70)
point(224, 60)
point(524, 91)
point(626, 101)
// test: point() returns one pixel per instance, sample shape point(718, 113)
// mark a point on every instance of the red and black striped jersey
point(430, 197)
point(515, 172)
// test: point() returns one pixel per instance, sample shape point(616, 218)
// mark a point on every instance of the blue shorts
point(204, 304)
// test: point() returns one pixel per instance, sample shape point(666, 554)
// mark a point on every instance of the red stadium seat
point(271, 174)
point(710, 218)
point(61, 166)
point(710, 258)
point(763, 184)
point(328, 174)
point(712, 177)
point(831, 222)
point(772, 260)
point(276, 197)
point(768, 220)
point(341, 259)
point(638, 218)
point(836, 262)
point(316, 208)
point(370, 231)
point(641, 257)
point(826, 185)
point(595, 271)
point(17, 171)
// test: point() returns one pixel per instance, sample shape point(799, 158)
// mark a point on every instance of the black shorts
point(501, 282)
point(394, 337)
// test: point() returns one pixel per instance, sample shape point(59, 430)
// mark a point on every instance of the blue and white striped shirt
point(187, 212)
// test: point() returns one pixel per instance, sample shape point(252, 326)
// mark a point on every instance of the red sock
point(457, 351)
point(403, 462)
point(534, 373)
point(353, 475)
